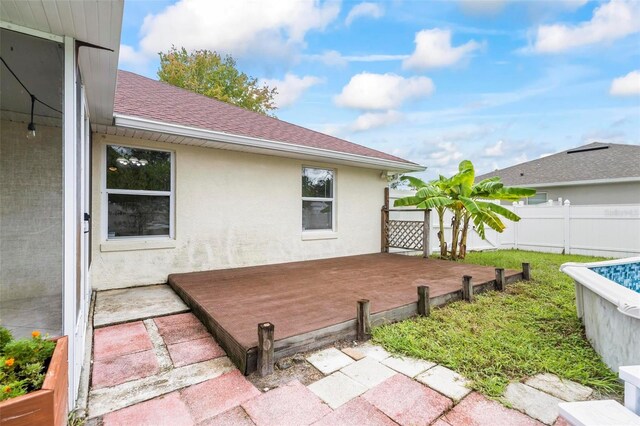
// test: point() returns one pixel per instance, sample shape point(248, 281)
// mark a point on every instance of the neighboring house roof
point(142, 97)
point(591, 163)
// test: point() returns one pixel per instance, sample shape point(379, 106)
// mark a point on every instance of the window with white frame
point(539, 198)
point(138, 192)
point(318, 203)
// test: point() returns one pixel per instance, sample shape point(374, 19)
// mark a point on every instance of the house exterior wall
point(234, 209)
point(611, 193)
point(30, 213)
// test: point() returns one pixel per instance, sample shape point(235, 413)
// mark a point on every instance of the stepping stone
point(292, 404)
point(215, 396)
point(337, 389)
point(407, 402)
point(156, 411)
point(329, 360)
point(130, 304)
point(445, 381)
point(560, 388)
point(356, 412)
point(533, 402)
point(408, 366)
point(373, 351)
point(234, 417)
point(353, 353)
point(368, 372)
point(115, 371)
point(185, 353)
point(180, 328)
point(476, 410)
point(122, 339)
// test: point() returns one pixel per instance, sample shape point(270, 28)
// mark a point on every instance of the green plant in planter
point(23, 363)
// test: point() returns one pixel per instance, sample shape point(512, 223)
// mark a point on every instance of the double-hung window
point(318, 203)
point(138, 192)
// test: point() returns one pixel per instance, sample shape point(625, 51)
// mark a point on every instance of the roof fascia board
point(192, 132)
point(581, 182)
point(30, 31)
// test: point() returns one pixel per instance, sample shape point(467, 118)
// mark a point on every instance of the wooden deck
point(313, 303)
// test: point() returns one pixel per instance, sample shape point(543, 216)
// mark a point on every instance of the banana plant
point(468, 201)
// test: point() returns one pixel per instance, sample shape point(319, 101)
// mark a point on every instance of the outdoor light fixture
point(31, 128)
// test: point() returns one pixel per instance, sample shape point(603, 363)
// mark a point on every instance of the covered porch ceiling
point(90, 21)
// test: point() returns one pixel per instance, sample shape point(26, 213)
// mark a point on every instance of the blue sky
point(497, 82)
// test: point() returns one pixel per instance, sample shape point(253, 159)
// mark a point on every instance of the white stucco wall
point(235, 209)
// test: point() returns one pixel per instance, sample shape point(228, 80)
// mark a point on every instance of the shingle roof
point(593, 161)
point(143, 97)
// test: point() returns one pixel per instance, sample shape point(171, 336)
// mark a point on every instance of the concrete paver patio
point(168, 370)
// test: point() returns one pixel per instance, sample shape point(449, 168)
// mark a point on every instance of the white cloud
point(627, 85)
point(434, 49)
point(335, 58)
point(494, 150)
point(130, 58)
point(372, 120)
point(372, 10)
point(268, 28)
point(609, 22)
point(367, 91)
point(291, 88)
point(447, 154)
point(482, 7)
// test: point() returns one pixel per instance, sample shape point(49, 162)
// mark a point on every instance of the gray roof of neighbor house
point(142, 97)
point(596, 161)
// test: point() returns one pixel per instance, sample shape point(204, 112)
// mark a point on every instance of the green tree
point(468, 201)
point(208, 73)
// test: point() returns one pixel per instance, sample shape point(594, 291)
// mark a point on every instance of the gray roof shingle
point(593, 161)
point(143, 97)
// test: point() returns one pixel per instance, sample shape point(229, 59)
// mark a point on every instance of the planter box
point(47, 406)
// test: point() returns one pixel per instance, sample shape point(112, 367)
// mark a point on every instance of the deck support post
point(467, 288)
point(526, 271)
point(500, 279)
point(424, 303)
point(363, 319)
point(265, 348)
point(426, 234)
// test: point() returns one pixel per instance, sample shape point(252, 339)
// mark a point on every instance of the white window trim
point(319, 233)
point(106, 192)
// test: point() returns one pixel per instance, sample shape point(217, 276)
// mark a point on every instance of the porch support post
point(363, 319)
point(467, 288)
point(526, 271)
point(265, 348)
point(424, 303)
point(500, 279)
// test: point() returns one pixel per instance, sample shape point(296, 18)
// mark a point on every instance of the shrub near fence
point(610, 230)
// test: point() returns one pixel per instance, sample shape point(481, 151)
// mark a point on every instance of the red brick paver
point(215, 396)
point(234, 417)
point(291, 404)
point(356, 412)
point(476, 410)
point(121, 339)
point(407, 402)
point(180, 328)
point(121, 369)
point(185, 353)
point(168, 410)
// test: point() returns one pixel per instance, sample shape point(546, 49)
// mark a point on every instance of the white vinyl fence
point(597, 230)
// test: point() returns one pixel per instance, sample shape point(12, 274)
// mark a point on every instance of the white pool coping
point(627, 300)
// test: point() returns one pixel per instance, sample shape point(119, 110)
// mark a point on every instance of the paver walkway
point(168, 370)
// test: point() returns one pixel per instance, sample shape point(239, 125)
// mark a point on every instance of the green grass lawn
point(529, 329)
